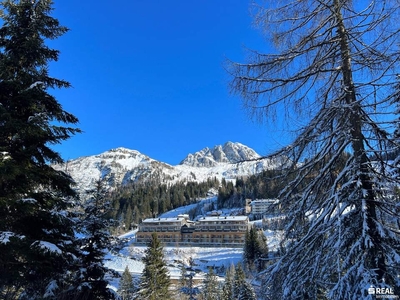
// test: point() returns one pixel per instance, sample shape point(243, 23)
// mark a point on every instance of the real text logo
point(382, 293)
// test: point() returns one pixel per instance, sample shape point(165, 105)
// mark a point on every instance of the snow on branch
point(43, 116)
point(6, 235)
point(50, 289)
point(4, 155)
point(33, 85)
point(28, 200)
point(47, 247)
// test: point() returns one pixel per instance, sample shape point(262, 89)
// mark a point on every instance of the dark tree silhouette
point(36, 233)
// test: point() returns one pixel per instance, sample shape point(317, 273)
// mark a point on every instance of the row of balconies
point(197, 239)
point(196, 228)
point(218, 237)
point(223, 223)
point(159, 229)
point(219, 228)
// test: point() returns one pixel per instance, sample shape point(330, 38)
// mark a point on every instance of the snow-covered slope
point(121, 166)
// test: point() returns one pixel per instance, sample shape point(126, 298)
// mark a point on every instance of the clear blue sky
point(148, 75)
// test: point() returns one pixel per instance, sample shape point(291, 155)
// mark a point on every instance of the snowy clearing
point(131, 255)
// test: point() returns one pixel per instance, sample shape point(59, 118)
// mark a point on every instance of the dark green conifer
point(126, 287)
point(238, 280)
point(252, 247)
point(255, 250)
point(242, 290)
point(186, 281)
point(36, 233)
point(227, 289)
point(263, 253)
point(155, 281)
point(94, 244)
point(211, 286)
point(246, 292)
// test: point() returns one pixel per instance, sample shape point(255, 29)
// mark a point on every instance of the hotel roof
point(163, 220)
point(222, 218)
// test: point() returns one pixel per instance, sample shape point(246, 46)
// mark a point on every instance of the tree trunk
point(367, 205)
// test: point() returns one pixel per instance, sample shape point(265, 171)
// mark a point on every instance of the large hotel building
point(215, 230)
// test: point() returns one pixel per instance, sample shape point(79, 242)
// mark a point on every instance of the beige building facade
point(215, 230)
point(168, 229)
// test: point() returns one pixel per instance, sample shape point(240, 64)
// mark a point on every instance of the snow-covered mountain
point(121, 166)
point(228, 153)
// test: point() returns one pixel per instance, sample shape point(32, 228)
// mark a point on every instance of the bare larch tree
point(332, 67)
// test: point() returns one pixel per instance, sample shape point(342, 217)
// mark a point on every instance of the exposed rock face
point(228, 153)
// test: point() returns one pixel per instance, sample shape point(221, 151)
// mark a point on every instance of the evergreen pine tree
point(227, 289)
point(186, 280)
point(94, 245)
point(246, 292)
point(211, 286)
point(251, 247)
point(183, 279)
point(36, 233)
point(126, 287)
point(241, 290)
point(155, 280)
point(238, 280)
point(263, 252)
point(255, 249)
point(128, 218)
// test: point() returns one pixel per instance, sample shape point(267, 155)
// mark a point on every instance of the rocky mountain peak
point(228, 153)
point(120, 151)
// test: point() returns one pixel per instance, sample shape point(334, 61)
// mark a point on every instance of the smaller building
point(263, 206)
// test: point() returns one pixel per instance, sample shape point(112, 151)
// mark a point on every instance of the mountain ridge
point(121, 166)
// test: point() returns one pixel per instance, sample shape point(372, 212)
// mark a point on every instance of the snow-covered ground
point(130, 255)
point(219, 258)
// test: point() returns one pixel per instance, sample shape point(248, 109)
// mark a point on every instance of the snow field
point(132, 255)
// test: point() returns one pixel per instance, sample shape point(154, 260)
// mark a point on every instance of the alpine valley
point(121, 166)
